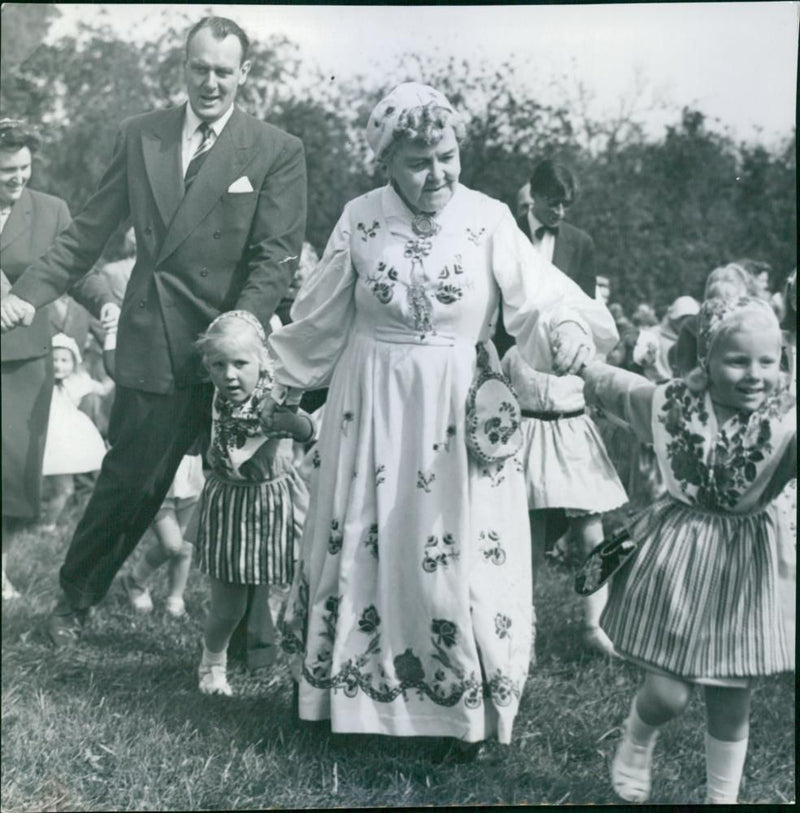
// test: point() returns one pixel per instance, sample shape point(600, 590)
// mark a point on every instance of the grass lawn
point(117, 723)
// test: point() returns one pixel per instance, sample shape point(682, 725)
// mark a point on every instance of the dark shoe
point(610, 556)
point(64, 624)
point(456, 752)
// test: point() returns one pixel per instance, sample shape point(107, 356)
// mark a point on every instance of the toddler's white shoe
point(175, 606)
point(139, 597)
point(631, 768)
point(213, 680)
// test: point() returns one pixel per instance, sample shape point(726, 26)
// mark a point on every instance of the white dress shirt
point(4, 213)
point(192, 138)
point(547, 244)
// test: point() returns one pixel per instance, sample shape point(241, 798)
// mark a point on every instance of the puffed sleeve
point(625, 397)
point(306, 350)
point(537, 297)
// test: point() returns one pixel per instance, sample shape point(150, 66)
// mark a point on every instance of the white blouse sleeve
point(623, 395)
point(305, 351)
point(537, 297)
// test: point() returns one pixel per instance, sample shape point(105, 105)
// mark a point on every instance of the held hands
point(109, 316)
point(284, 422)
point(15, 312)
point(572, 348)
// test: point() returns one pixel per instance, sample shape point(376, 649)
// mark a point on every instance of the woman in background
point(29, 223)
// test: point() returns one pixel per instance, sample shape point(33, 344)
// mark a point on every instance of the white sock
point(213, 658)
point(630, 768)
point(724, 768)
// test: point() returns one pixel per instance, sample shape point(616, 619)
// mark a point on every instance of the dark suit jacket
point(35, 221)
point(197, 254)
point(573, 253)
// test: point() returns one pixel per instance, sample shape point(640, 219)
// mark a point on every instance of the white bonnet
point(64, 342)
point(387, 115)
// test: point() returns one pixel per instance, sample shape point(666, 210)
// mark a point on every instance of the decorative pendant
point(421, 308)
point(424, 225)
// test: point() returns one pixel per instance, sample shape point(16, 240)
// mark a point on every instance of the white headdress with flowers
point(387, 117)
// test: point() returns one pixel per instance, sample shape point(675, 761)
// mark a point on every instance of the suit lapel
point(161, 147)
point(563, 250)
point(19, 220)
point(228, 157)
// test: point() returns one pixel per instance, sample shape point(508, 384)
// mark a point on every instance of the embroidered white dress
point(411, 607)
point(700, 599)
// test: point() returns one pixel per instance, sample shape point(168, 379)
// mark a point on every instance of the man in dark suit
point(552, 190)
point(218, 204)
point(542, 204)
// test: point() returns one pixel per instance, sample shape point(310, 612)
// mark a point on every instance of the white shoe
point(9, 591)
point(175, 606)
point(631, 769)
point(213, 680)
point(139, 597)
point(594, 638)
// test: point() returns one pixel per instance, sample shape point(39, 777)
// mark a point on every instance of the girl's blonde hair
point(729, 281)
point(238, 330)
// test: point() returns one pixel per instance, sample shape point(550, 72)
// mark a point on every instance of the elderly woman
point(411, 612)
point(29, 223)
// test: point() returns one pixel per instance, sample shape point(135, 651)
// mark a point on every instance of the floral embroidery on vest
point(716, 479)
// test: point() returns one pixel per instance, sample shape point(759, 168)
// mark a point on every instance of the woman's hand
point(572, 348)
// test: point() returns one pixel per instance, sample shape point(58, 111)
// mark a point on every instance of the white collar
point(191, 121)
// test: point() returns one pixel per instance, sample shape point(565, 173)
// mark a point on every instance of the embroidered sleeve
point(537, 297)
point(307, 349)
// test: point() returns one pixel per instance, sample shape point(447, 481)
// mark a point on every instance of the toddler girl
point(566, 466)
point(698, 602)
point(174, 526)
point(74, 444)
point(253, 496)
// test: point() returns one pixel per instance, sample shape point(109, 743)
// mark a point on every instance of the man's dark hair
point(16, 134)
point(553, 180)
point(220, 27)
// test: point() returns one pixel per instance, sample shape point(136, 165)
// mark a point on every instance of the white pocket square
point(241, 185)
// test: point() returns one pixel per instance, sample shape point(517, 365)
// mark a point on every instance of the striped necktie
point(200, 154)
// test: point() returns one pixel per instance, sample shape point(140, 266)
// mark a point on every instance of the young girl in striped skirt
point(698, 603)
point(253, 500)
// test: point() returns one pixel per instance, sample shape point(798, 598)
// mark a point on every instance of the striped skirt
point(700, 598)
point(247, 531)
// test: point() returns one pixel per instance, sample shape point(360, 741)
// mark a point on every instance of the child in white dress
point(566, 466)
point(74, 445)
point(175, 527)
point(698, 603)
point(253, 500)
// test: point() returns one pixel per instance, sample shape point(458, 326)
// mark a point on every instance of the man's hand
point(109, 316)
point(15, 312)
point(572, 348)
